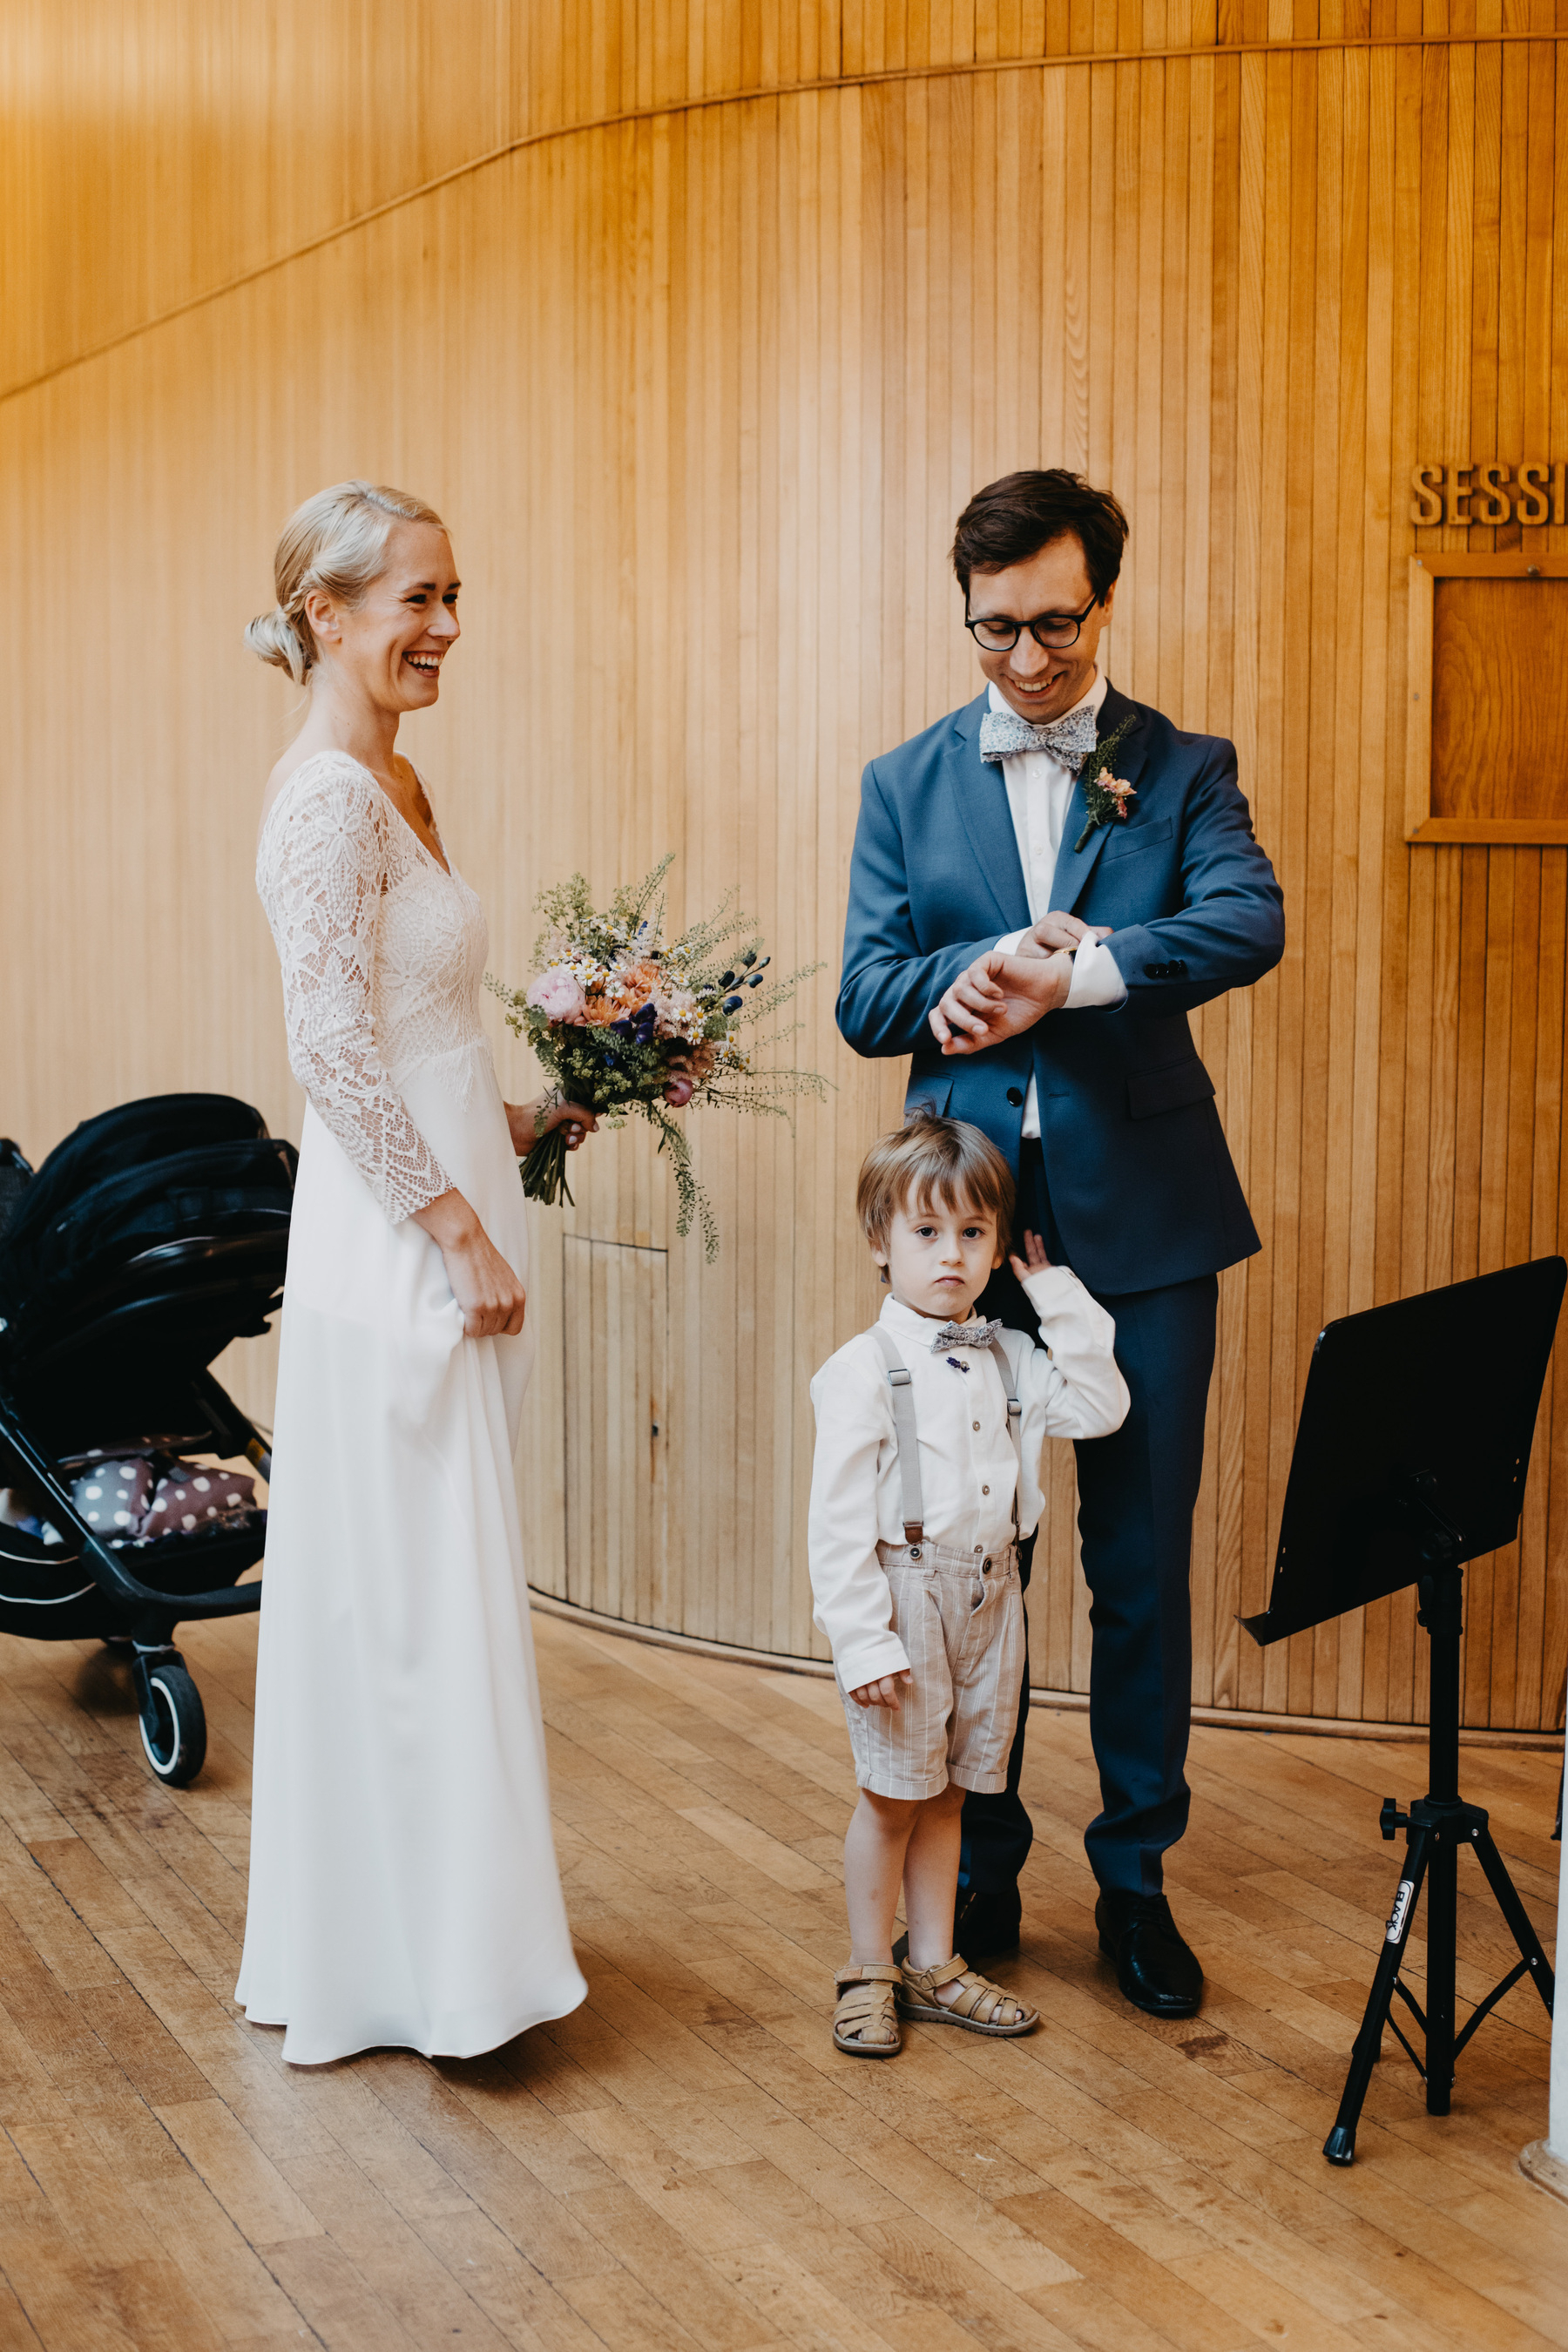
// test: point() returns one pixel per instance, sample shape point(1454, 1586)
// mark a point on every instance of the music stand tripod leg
point(1530, 1949)
point(1340, 2146)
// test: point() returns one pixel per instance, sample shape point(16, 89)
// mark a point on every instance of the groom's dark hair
point(1009, 521)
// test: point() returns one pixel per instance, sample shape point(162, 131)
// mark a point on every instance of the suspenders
point(913, 1507)
point(914, 1504)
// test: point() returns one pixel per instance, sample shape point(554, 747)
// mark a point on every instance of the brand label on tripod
point(1400, 1906)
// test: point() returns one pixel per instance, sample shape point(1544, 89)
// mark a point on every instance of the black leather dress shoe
point(1157, 1970)
point(985, 1926)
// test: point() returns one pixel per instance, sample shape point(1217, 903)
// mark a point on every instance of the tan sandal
point(977, 2008)
point(866, 2022)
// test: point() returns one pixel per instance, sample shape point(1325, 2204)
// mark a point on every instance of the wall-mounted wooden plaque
point(1487, 743)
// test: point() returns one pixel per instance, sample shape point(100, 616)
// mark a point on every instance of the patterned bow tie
point(966, 1335)
point(1069, 740)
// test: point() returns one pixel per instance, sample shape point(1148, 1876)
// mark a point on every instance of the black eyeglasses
point(1052, 632)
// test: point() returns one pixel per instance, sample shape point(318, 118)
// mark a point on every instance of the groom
point(1034, 939)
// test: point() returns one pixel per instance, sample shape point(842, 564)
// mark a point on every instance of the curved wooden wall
point(700, 389)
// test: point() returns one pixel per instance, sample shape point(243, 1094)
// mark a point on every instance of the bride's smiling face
point(391, 645)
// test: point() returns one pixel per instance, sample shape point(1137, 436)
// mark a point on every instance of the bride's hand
point(529, 1122)
point(492, 1298)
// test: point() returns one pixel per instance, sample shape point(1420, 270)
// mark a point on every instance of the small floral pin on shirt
point(1105, 796)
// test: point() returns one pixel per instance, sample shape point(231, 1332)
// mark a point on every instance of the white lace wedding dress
point(404, 1887)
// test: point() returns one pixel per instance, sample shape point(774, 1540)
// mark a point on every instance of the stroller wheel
point(174, 1726)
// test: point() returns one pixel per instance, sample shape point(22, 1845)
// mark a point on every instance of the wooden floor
point(686, 2163)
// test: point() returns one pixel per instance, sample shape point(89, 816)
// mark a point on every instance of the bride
point(403, 1888)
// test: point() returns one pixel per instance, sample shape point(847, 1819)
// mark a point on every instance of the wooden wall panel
point(701, 393)
point(1500, 745)
point(614, 1430)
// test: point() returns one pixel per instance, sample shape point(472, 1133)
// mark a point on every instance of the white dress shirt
point(969, 1469)
point(1038, 791)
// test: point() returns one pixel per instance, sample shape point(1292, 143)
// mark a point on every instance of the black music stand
point(1411, 1457)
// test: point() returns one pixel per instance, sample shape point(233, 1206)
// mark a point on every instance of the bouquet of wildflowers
point(623, 1019)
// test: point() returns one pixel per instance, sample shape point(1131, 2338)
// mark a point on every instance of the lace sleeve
point(321, 874)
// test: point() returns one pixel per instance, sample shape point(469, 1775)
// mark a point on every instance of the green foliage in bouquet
point(623, 1019)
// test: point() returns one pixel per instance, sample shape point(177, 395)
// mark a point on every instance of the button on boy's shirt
point(1068, 1388)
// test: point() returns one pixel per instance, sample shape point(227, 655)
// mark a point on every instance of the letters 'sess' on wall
point(1534, 493)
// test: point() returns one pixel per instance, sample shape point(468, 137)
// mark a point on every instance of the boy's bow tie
point(966, 1335)
point(1069, 740)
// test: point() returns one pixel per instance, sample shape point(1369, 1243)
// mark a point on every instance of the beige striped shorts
point(961, 1620)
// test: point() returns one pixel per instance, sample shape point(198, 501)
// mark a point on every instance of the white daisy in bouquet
point(623, 1019)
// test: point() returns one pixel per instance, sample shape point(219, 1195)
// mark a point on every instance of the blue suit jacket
point(1141, 1179)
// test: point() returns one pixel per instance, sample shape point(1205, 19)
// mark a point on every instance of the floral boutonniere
point(1105, 796)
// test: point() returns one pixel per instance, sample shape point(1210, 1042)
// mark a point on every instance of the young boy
point(928, 1431)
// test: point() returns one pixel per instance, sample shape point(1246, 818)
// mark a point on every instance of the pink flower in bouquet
point(635, 978)
point(556, 994)
point(674, 1006)
point(687, 1072)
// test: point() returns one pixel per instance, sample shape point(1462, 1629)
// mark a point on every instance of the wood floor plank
point(93, 2202)
point(380, 2261)
point(754, 1847)
point(318, 2277)
point(656, 2244)
point(540, 2224)
point(246, 2184)
point(235, 2288)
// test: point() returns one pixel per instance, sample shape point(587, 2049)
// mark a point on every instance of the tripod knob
point(1390, 1820)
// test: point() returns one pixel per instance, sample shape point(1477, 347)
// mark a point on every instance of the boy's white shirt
point(1068, 1388)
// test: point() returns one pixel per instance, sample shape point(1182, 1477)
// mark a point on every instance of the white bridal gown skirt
point(403, 1887)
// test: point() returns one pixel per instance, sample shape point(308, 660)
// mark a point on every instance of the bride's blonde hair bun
point(336, 541)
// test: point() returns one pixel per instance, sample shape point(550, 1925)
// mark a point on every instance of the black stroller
point(147, 1241)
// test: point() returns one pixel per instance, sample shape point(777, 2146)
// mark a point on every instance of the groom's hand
point(1053, 931)
point(998, 996)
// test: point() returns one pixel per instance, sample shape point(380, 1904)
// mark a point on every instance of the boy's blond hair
point(941, 1157)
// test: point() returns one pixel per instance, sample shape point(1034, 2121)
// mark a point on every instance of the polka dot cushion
point(112, 1497)
point(190, 1497)
point(124, 1502)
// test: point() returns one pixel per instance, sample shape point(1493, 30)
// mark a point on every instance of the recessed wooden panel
point(702, 393)
point(1490, 766)
point(1499, 707)
point(616, 1317)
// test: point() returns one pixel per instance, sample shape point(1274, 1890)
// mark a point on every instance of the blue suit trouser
point(1136, 1493)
